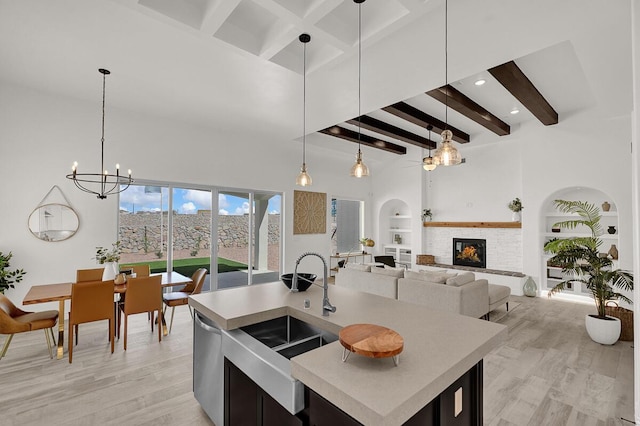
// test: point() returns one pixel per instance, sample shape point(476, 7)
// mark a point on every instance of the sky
point(187, 201)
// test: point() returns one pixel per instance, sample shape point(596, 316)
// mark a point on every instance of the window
point(346, 225)
point(247, 232)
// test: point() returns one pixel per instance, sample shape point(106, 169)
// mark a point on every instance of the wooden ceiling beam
point(422, 119)
point(459, 102)
point(365, 140)
point(517, 83)
point(391, 131)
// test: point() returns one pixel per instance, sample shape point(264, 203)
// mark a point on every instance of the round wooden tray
point(370, 340)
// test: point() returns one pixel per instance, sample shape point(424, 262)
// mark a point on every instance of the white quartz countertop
point(439, 346)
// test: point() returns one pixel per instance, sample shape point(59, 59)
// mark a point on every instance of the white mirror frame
point(53, 222)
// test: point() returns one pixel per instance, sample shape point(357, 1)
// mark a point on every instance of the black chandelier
point(101, 184)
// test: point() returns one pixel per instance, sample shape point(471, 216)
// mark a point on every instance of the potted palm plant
point(582, 264)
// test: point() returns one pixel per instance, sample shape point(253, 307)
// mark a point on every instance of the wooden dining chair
point(140, 270)
point(83, 275)
point(179, 298)
point(91, 301)
point(144, 294)
point(14, 320)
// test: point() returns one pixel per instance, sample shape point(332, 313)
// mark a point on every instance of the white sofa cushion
point(461, 279)
point(358, 267)
point(381, 285)
point(391, 272)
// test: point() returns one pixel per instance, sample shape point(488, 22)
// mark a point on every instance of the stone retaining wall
point(140, 232)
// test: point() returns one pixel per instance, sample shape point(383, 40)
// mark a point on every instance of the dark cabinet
point(461, 403)
point(247, 404)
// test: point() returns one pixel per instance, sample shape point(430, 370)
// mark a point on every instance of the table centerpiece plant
point(426, 215)
point(109, 258)
point(582, 265)
point(7, 276)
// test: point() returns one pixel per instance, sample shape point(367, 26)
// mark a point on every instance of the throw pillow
point(438, 277)
point(461, 279)
point(358, 267)
point(413, 275)
point(393, 272)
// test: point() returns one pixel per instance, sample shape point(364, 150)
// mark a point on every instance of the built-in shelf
point(472, 224)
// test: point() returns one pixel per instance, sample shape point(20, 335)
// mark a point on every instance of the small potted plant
point(109, 258)
point(516, 207)
point(426, 215)
point(8, 277)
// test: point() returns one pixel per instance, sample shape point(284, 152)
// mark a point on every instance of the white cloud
point(188, 208)
point(223, 212)
point(134, 199)
point(274, 212)
point(244, 209)
point(201, 198)
point(222, 202)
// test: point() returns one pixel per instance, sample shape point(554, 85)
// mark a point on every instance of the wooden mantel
point(472, 224)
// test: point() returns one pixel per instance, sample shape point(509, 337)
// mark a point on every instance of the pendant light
point(103, 183)
point(427, 162)
point(447, 154)
point(303, 178)
point(359, 169)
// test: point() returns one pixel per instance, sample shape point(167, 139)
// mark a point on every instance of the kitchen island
point(439, 347)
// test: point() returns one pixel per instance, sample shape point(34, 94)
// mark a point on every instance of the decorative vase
point(613, 252)
point(611, 230)
point(516, 217)
point(530, 288)
point(605, 331)
point(606, 206)
point(110, 271)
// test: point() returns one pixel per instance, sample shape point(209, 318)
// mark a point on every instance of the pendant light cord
point(304, 104)
point(359, 68)
point(104, 79)
point(446, 64)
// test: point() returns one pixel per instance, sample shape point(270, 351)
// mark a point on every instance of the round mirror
point(53, 222)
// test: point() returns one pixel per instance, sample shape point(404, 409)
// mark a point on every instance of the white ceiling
point(235, 65)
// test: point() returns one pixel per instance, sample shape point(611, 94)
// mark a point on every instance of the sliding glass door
point(248, 248)
point(174, 227)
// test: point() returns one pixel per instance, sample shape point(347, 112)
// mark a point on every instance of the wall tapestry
point(309, 212)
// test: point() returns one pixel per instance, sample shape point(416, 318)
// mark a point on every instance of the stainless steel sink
point(263, 350)
point(289, 336)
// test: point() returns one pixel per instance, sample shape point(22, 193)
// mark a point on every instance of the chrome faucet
point(326, 305)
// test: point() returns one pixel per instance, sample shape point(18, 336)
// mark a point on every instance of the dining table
point(61, 292)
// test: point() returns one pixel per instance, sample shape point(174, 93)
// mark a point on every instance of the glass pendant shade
point(447, 154)
point(359, 169)
point(428, 164)
point(303, 178)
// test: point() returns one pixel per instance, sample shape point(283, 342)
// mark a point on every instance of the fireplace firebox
point(470, 252)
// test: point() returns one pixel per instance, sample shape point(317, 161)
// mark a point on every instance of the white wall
point(401, 178)
point(41, 135)
point(535, 161)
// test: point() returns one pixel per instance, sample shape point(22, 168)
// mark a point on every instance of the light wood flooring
point(548, 372)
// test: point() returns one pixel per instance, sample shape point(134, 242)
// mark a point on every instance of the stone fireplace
point(470, 252)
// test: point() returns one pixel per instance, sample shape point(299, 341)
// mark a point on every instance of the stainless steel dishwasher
point(208, 368)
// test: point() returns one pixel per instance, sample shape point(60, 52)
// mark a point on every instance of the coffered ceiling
point(235, 65)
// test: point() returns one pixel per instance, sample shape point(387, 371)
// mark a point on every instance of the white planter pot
point(516, 216)
point(603, 331)
point(110, 271)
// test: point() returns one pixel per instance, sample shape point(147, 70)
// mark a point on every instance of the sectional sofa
point(436, 289)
